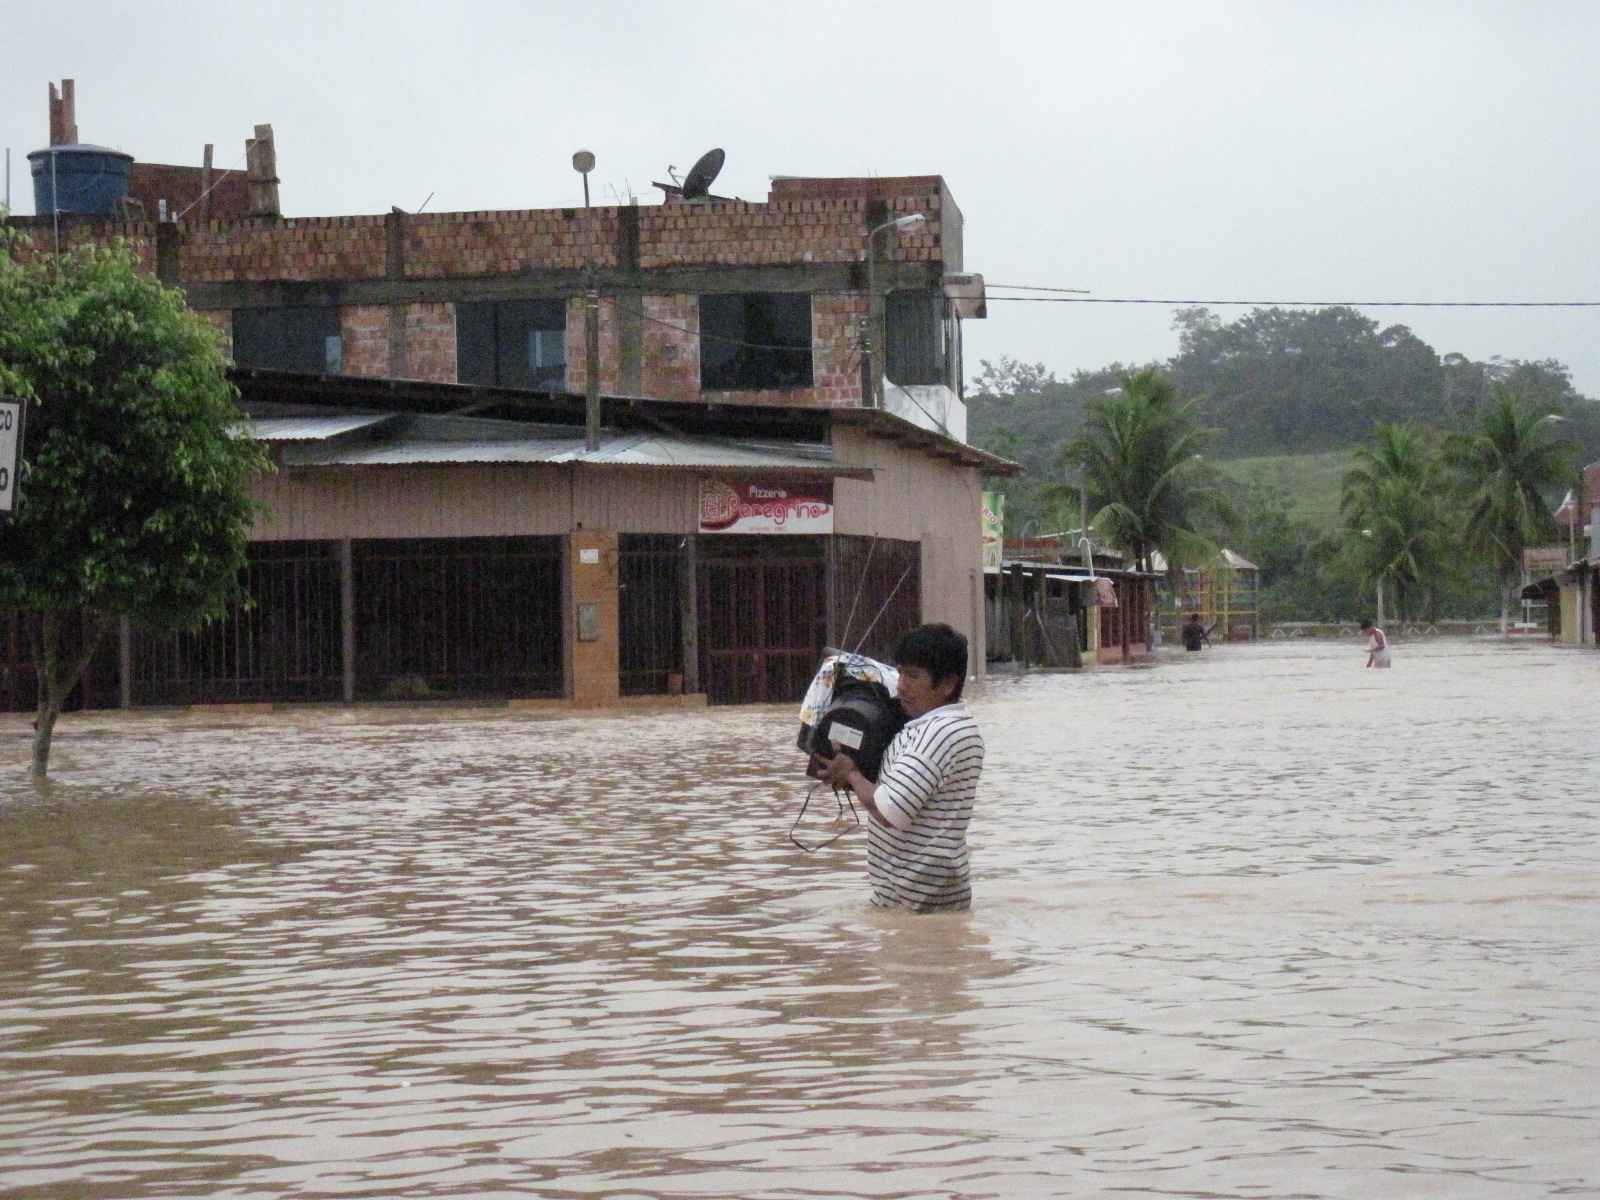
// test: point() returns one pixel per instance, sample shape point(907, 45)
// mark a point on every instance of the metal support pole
point(347, 619)
point(689, 614)
point(869, 340)
point(125, 660)
point(1019, 632)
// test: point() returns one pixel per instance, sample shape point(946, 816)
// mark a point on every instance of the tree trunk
point(59, 668)
point(1505, 605)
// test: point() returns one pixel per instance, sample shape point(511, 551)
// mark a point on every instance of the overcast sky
point(1231, 151)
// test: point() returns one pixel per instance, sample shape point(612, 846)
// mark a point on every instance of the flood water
point(1252, 923)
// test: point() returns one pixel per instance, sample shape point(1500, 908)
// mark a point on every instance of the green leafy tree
point(133, 497)
point(1507, 468)
point(1391, 506)
point(1137, 460)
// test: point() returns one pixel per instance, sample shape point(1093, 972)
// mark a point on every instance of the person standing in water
point(922, 802)
point(1377, 646)
point(1194, 633)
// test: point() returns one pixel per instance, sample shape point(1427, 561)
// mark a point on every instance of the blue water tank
point(92, 180)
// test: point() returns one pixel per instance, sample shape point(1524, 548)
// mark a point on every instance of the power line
point(1287, 303)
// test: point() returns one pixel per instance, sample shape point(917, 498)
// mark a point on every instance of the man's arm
point(841, 771)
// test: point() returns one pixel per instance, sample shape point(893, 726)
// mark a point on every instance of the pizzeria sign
point(766, 507)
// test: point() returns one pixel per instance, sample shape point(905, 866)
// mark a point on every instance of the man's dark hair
point(938, 650)
point(1366, 622)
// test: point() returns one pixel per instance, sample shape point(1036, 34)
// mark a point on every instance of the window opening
point(753, 340)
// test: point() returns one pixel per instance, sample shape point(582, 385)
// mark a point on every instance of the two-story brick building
point(444, 520)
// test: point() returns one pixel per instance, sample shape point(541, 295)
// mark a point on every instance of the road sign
point(12, 413)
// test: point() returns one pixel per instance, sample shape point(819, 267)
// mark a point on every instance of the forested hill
point(1278, 381)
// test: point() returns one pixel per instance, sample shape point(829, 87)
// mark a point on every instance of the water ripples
point(1251, 923)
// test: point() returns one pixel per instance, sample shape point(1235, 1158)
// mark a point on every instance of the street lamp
point(1572, 512)
point(1367, 533)
point(869, 392)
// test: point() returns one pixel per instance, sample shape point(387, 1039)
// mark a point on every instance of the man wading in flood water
point(922, 802)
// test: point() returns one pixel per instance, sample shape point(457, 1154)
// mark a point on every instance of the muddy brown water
point(1250, 923)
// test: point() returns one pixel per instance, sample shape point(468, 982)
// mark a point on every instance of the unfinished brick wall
point(501, 243)
point(365, 332)
point(180, 187)
point(430, 343)
point(670, 347)
point(306, 248)
point(836, 349)
point(577, 353)
point(39, 237)
point(817, 222)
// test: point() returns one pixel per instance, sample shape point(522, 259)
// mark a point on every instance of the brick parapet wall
point(39, 237)
point(500, 243)
point(818, 221)
point(806, 229)
point(299, 249)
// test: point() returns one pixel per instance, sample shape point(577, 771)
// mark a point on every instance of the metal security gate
point(762, 617)
point(877, 593)
point(283, 644)
point(99, 687)
point(444, 617)
point(650, 624)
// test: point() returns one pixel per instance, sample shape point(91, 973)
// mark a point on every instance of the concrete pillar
point(593, 630)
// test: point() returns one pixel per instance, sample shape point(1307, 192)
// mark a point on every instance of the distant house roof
point(1230, 559)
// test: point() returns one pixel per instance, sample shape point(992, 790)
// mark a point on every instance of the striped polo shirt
point(925, 792)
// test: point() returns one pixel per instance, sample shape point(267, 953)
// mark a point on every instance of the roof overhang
point(410, 440)
point(878, 423)
point(290, 393)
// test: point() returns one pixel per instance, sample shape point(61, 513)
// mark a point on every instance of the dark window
point(298, 338)
point(512, 343)
point(755, 340)
point(917, 341)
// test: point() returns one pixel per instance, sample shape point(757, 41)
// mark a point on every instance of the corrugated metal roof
point(312, 429)
point(625, 450)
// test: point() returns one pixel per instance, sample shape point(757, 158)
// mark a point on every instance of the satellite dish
point(698, 182)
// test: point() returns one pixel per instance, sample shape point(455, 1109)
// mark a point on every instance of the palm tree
point(1137, 462)
point(1391, 500)
point(1505, 468)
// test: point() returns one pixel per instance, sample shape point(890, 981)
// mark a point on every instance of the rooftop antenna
point(698, 182)
point(583, 163)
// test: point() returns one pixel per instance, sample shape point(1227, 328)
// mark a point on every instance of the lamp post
point(869, 389)
point(1367, 533)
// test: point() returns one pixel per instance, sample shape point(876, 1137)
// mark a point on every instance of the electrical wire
point(1290, 303)
point(233, 170)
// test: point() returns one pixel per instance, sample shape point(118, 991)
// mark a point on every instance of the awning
point(415, 440)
